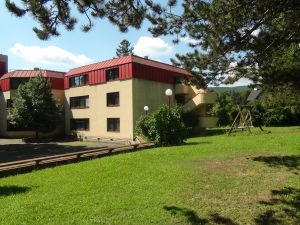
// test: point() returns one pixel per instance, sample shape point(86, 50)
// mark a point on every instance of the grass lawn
point(241, 179)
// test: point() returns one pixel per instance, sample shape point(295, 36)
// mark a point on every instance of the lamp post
point(146, 109)
point(169, 93)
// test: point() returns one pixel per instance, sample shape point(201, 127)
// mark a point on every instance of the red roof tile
point(33, 73)
point(124, 60)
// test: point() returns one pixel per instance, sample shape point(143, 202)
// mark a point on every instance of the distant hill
point(224, 89)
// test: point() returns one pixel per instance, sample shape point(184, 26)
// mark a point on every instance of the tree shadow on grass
point(283, 208)
point(13, 190)
point(207, 133)
point(291, 162)
point(194, 219)
point(198, 143)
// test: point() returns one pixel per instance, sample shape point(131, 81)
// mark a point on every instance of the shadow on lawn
point(197, 143)
point(12, 190)
point(291, 162)
point(210, 132)
point(194, 219)
point(284, 208)
point(16, 152)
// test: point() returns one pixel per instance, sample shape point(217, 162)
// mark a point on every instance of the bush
point(163, 127)
point(226, 106)
point(280, 106)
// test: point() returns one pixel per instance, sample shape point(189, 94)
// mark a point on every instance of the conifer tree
point(34, 107)
point(229, 39)
point(124, 48)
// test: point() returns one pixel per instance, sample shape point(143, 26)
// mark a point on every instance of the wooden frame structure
point(243, 119)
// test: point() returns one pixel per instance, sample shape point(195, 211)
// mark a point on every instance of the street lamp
point(169, 93)
point(146, 109)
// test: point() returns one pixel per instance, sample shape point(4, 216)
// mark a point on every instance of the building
point(9, 82)
point(106, 99)
point(3, 64)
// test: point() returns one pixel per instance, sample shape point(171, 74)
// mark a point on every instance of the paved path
point(15, 149)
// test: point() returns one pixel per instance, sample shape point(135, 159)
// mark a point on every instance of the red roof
point(33, 73)
point(125, 60)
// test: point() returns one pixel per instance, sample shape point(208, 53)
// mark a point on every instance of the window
point(16, 82)
point(78, 81)
point(112, 74)
point(9, 103)
point(80, 124)
point(80, 102)
point(113, 124)
point(112, 99)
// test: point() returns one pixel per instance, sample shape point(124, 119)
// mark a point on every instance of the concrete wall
point(150, 93)
point(98, 112)
point(3, 112)
point(134, 95)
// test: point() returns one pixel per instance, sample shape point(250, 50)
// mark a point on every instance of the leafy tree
point(124, 49)
point(230, 38)
point(282, 68)
point(164, 127)
point(279, 106)
point(34, 107)
point(226, 106)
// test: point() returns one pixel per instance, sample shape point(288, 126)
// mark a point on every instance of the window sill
point(113, 131)
point(80, 130)
point(79, 86)
point(80, 108)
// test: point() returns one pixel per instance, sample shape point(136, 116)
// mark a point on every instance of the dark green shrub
point(226, 106)
point(163, 127)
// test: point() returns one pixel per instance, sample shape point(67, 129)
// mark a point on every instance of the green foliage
point(283, 67)
point(279, 106)
point(34, 107)
point(124, 49)
point(164, 127)
point(234, 37)
point(226, 106)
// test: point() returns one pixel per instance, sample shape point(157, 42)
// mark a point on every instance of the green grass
point(241, 179)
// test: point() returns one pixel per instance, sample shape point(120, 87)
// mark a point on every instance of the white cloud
point(256, 32)
point(148, 46)
point(240, 82)
point(51, 55)
point(189, 40)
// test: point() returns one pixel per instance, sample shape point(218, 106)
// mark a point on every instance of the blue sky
point(76, 48)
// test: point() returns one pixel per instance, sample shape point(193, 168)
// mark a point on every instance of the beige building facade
point(9, 83)
point(106, 99)
point(106, 107)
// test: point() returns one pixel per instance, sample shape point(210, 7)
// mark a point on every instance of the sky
point(76, 48)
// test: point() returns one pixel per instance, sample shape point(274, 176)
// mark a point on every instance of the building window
point(112, 99)
point(80, 102)
point(113, 124)
point(112, 74)
point(80, 124)
point(16, 82)
point(9, 103)
point(78, 81)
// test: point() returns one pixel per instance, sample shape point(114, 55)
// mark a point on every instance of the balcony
point(182, 89)
point(199, 99)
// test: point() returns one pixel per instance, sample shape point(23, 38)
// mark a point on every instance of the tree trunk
point(37, 134)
